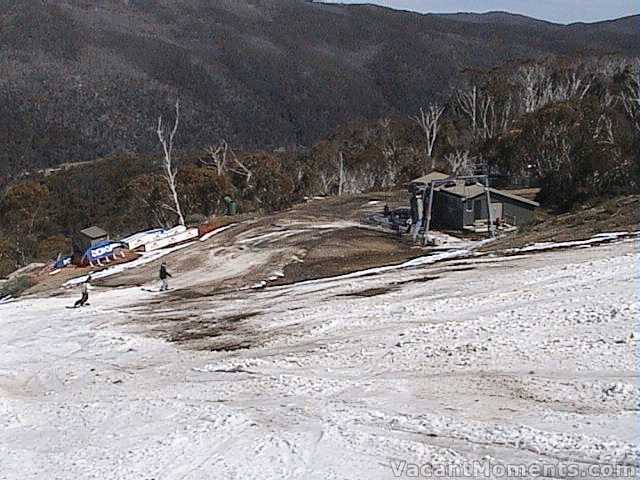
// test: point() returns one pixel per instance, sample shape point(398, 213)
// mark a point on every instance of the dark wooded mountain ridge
point(84, 79)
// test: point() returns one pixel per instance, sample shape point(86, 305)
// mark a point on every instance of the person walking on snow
point(85, 292)
point(164, 276)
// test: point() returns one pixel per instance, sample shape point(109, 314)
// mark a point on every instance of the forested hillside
point(87, 79)
point(571, 126)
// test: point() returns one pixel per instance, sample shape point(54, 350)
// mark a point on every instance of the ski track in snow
point(518, 360)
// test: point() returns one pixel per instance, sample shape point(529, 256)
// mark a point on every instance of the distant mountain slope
point(500, 18)
point(627, 25)
point(84, 78)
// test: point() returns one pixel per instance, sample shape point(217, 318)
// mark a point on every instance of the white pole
point(341, 184)
point(490, 226)
point(428, 217)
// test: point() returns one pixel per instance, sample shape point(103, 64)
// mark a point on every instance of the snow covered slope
point(518, 360)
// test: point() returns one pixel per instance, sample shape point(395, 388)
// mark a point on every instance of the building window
point(469, 205)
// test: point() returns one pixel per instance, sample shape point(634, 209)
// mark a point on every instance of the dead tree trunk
point(631, 95)
point(167, 164)
point(429, 123)
point(219, 157)
point(460, 163)
point(341, 183)
point(467, 103)
point(224, 160)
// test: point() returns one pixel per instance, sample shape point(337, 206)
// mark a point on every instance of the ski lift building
point(458, 205)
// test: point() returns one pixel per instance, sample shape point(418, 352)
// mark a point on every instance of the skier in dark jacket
point(85, 292)
point(164, 276)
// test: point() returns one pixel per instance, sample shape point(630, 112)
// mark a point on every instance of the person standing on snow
point(164, 276)
point(85, 292)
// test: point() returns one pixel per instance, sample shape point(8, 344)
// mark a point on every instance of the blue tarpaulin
point(63, 262)
point(102, 250)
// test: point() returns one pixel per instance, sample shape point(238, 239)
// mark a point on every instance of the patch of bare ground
point(346, 251)
point(369, 292)
point(418, 280)
point(600, 216)
point(352, 207)
point(198, 332)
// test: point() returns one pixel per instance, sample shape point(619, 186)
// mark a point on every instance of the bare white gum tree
point(334, 176)
point(538, 88)
point(391, 152)
point(631, 94)
point(166, 138)
point(429, 121)
point(533, 81)
point(341, 177)
point(224, 159)
point(604, 130)
point(218, 157)
point(460, 163)
point(554, 155)
point(327, 180)
point(467, 104)
point(487, 116)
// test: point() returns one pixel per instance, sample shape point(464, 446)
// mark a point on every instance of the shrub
point(195, 219)
point(15, 287)
point(50, 247)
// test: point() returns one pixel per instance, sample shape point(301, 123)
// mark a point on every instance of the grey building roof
point(460, 189)
point(94, 232)
point(514, 197)
point(427, 179)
